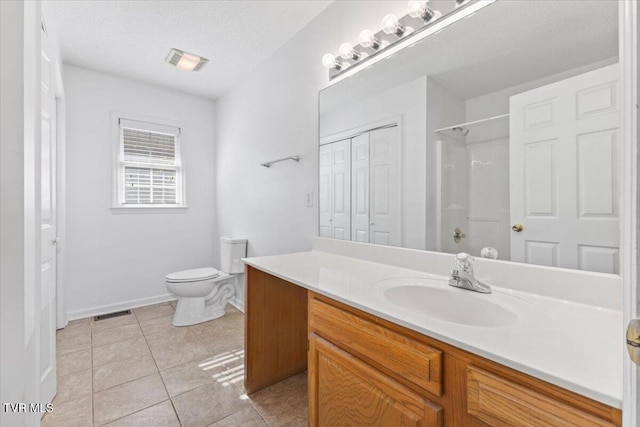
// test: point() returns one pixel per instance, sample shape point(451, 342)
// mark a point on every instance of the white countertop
point(572, 345)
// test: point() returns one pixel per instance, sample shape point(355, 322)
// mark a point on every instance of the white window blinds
point(150, 171)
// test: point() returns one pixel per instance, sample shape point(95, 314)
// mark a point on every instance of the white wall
point(20, 208)
point(12, 298)
point(496, 103)
point(274, 113)
point(408, 103)
point(118, 259)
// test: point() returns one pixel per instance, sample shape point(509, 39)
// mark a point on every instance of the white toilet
point(203, 293)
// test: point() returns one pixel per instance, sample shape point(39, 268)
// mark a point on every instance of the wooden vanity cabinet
point(275, 330)
point(345, 391)
point(364, 370)
point(367, 371)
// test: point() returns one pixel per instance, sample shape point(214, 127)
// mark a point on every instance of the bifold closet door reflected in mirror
point(451, 97)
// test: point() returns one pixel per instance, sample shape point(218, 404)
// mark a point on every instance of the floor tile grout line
point(135, 412)
point(168, 345)
point(77, 397)
point(76, 371)
point(198, 388)
point(71, 337)
point(121, 339)
point(192, 334)
point(126, 339)
point(241, 389)
point(158, 372)
point(259, 413)
point(175, 412)
point(92, 393)
point(144, 376)
point(127, 382)
point(171, 398)
point(226, 366)
point(75, 351)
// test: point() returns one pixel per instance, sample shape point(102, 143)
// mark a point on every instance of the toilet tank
point(232, 249)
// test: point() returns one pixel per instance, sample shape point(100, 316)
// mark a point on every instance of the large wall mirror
point(501, 130)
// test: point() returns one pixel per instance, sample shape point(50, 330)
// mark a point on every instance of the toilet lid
point(195, 275)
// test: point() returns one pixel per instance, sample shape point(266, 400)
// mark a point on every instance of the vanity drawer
point(501, 402)
point(399, 356)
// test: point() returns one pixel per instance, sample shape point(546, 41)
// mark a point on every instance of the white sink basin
point(435, 299)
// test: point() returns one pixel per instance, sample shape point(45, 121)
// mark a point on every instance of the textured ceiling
point(132, 38)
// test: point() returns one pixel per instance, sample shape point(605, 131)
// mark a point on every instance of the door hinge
point(633, 340)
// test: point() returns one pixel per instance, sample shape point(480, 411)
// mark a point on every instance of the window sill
point(148, 209)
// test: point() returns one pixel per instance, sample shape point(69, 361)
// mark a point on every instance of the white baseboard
point(126, 305)
point(237, 303)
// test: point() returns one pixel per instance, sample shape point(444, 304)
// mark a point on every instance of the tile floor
point(139, 370)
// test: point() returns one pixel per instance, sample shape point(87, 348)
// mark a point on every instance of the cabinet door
point(344, 391)
point(503, 403)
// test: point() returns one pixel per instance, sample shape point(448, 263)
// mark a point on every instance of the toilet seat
point(195, 275)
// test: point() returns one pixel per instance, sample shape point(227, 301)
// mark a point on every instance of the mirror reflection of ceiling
point(505, 44)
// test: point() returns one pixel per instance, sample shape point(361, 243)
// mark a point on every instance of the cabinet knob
point(517, 228)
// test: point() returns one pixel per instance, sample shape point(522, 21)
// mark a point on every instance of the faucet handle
point(464, 261)
point(489, 252)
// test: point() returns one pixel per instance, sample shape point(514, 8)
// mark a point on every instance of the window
point(149, 170)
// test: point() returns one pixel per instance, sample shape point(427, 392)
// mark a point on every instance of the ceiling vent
point(186, 61)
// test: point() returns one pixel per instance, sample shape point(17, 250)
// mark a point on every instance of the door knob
point(371, 223)
point(55, 241)
point(517, 228)
point(633, 340)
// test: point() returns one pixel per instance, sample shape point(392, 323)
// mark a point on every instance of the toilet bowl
point(203, 293)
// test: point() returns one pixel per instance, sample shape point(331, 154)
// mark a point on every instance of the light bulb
point(419, 9)
point(329, 61)
point(416, 8)
point(368, 39)
point(391, 25)
point(347, 52)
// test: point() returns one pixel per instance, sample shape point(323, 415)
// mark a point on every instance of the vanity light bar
point(394, 31)
point(386, 48)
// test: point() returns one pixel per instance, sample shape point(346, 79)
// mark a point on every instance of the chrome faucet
point(462, 276)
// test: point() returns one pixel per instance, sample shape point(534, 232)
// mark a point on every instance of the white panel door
point(340, 193)
point(384, 182)
point(360, 188)
point(335, 190)
point(324, 191)
point(564, 141)
point(49, 232)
